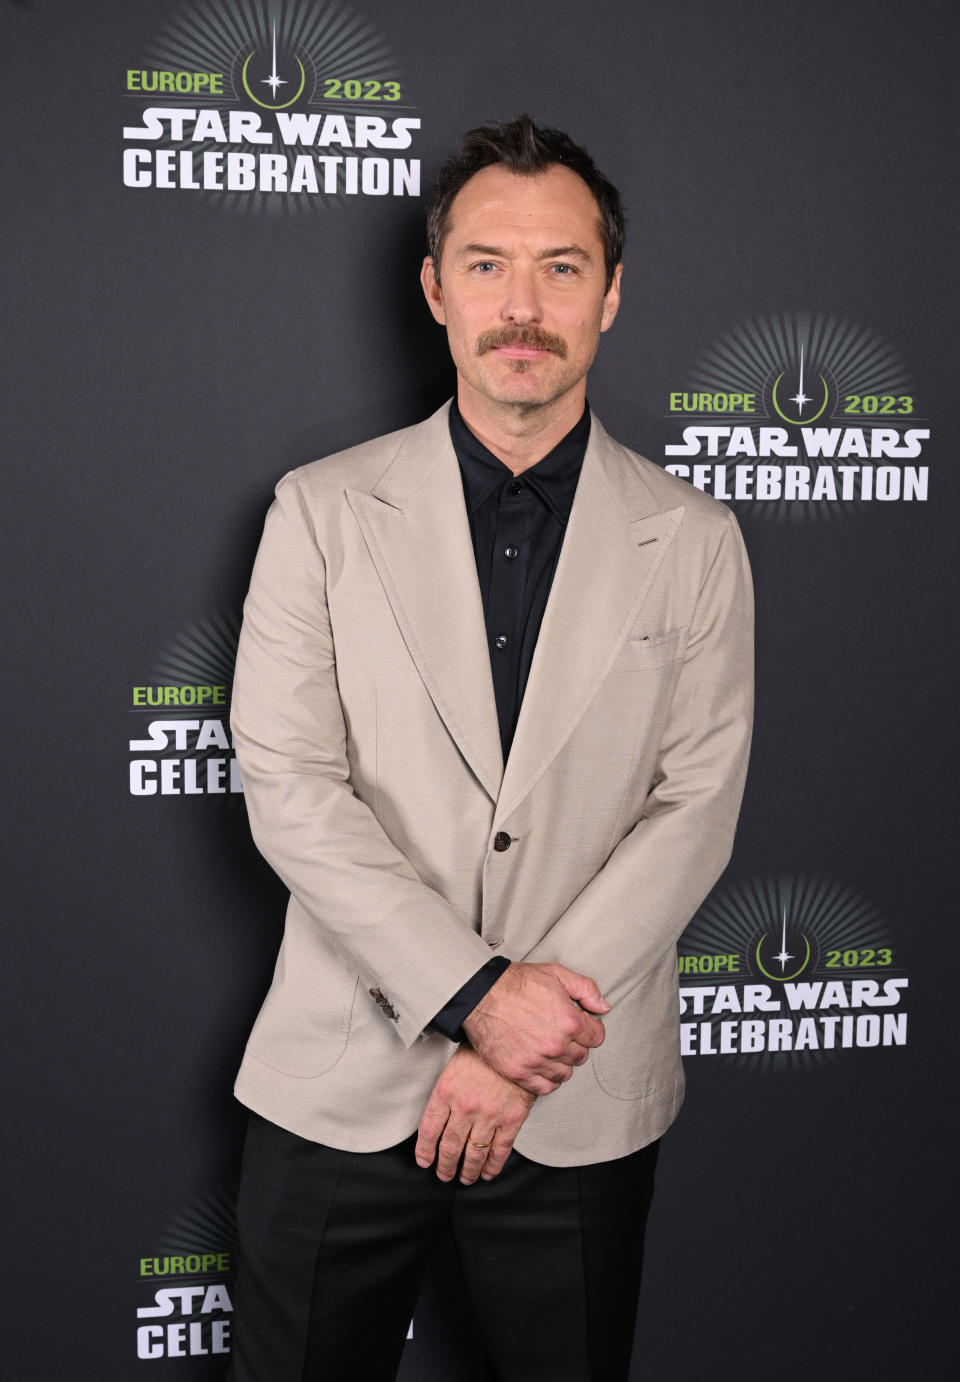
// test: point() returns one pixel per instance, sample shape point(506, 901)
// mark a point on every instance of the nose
point(521, 302)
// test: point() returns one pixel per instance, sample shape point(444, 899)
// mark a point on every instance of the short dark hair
point(526, 148)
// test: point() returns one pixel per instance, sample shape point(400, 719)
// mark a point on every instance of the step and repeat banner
point(212, 240)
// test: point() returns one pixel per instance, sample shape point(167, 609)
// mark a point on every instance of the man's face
point(522, 291)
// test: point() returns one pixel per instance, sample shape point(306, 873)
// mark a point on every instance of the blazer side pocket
point(641, 1052)
point(304, 1024)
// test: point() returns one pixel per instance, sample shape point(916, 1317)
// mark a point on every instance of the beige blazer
point(366, 730)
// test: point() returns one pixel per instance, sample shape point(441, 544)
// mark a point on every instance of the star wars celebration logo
point(801, 415)
point(182, 745)
point(789, 972)
point(187, 1283)
point(270, 105)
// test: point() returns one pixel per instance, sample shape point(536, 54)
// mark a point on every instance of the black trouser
point(333, 1246)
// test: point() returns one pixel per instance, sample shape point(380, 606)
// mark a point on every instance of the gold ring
point(479, 1144)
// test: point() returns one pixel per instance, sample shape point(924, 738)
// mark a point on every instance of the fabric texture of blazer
point(367, 736)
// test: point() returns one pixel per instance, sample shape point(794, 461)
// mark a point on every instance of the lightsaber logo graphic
point(274, 81)
point(800, 399)
point(783, 957)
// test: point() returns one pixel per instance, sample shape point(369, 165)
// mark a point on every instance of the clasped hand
point(534, 1025)
point(525, 1037)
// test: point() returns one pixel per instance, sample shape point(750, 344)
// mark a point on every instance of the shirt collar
point(553, 479)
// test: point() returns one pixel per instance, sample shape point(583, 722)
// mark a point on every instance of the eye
point(484, 266)
point(563, 270)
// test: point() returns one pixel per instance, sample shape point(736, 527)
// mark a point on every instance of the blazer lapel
point(415, 525)
point(615, 541)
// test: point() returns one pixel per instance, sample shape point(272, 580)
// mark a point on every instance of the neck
point(520, 436)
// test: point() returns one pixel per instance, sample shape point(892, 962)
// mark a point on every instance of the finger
point(451, 1149)
point(432, 1123)
point(556, 1071)
point(574, 1054)
point(497, 1156)
point(545, 1082)
point(542, 1077)
point(589, 1030)
point(581, 989)
point(475, 1153)
point(536, 1084)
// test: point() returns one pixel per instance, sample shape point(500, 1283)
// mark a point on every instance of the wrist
point(451, 1020)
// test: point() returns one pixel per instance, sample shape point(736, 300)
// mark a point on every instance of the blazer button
point(501, 841)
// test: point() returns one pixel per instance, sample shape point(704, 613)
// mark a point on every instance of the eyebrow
point(560, 252)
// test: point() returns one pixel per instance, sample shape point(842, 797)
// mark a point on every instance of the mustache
point(533, 337)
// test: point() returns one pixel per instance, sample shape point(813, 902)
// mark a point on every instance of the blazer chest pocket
point(651, 651)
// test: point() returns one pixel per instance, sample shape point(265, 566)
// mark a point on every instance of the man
point(492, 709)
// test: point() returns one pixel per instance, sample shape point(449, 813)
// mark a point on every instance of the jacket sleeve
point(633, 910)
point(408, 943)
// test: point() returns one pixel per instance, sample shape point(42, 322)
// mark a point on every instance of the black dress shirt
point(517, 524)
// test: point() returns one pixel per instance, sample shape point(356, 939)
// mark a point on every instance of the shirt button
point(501, 841)
point(500, 641)
point(510, 553)
point(514, 487)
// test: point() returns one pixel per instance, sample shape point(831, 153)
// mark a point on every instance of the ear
point(431, 291)
point(611, 303)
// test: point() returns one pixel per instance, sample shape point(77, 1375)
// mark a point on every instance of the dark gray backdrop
point(167, 359)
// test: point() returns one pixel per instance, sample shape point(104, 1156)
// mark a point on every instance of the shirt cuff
point(449, 1020)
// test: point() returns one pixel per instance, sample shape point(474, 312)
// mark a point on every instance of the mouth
point(521, 352)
